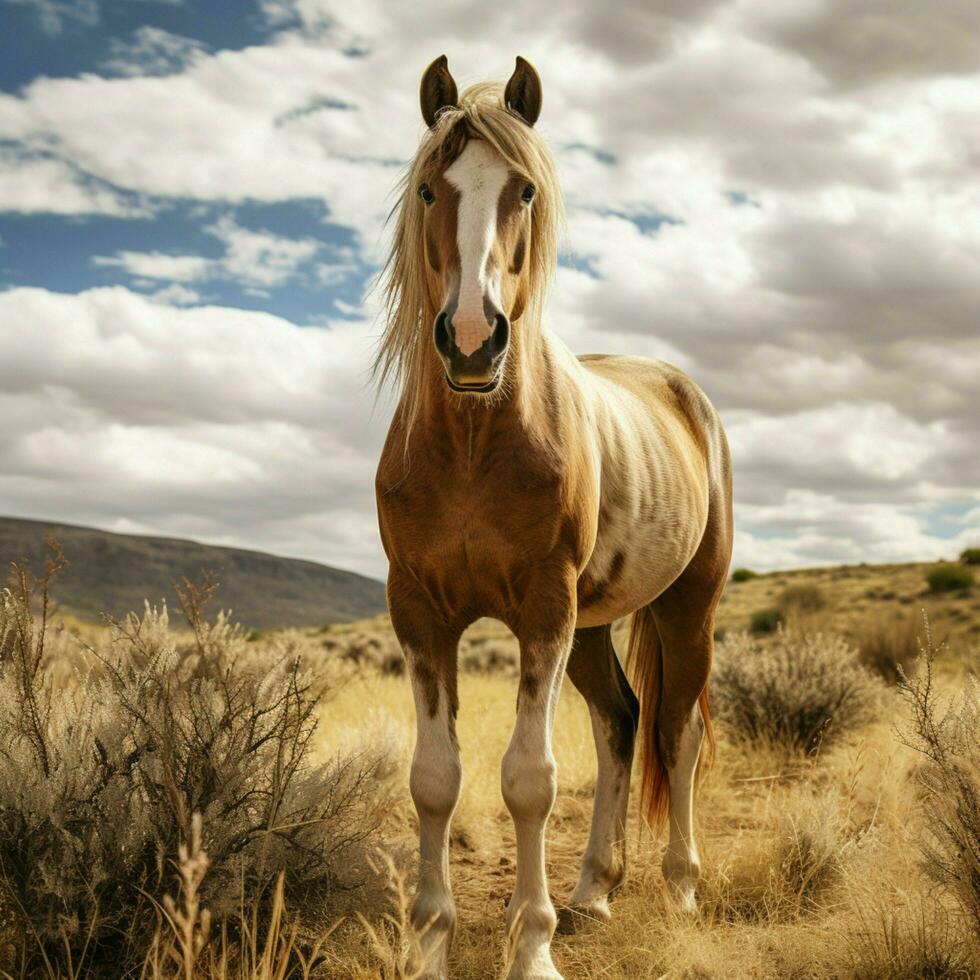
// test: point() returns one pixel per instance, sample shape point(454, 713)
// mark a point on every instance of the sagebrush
point(796, 691)
point(103, 772)
point(947, 734)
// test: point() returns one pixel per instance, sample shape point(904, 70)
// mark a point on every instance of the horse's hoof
point(571, 918)
point(685, 898)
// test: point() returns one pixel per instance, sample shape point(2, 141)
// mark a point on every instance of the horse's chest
point(470, 539)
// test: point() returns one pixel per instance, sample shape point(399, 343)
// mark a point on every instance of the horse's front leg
point(529, 782)
point(430, 652)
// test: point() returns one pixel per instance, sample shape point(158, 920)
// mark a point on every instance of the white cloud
point(151, 51)
point(159, 265)
point(230, 425)
point(176, 295)
point(257, 259)
point(832, 317)
point(32, 182)
point(260, 257)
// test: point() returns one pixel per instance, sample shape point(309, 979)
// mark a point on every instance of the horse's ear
point(523, 92)
point(438, 90)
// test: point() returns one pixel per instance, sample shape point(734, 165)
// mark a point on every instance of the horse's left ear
point(523, 92)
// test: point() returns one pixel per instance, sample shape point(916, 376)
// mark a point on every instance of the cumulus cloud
point(38, 182)
point(778, 199)
point(226, 424)
point(254, 258)
point(151, 51)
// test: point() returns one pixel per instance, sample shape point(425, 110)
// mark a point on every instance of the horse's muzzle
point(480, 371)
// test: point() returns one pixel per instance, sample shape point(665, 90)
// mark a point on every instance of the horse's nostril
point(500, 335)
point(444, 341)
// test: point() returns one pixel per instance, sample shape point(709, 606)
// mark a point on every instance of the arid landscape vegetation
point(182, 797)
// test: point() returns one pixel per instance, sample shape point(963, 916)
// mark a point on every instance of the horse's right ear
point(438, 90)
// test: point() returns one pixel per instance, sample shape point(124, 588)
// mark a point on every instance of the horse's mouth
point(483, 389)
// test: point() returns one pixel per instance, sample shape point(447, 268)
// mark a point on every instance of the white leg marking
point(529, 780)
point(479, 173)
point(604, 863)
point(681, 865)
point(435, 781)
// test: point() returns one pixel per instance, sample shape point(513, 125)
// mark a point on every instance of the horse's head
point(477, 201)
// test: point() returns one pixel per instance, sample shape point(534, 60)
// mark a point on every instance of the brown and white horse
point(552, 492)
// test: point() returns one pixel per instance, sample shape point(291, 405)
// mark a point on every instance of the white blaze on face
point(479, 174)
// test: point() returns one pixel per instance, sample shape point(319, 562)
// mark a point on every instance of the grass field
point(813, 865)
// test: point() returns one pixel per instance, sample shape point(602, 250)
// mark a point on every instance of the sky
point(781, 199)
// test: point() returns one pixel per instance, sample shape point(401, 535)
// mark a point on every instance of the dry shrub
point(892, 943)
point(889, 644)
point(947, 577)
point(802, 599)
point(765, 621)
point(948, 735)
point(798, 691)
point(99, 781)
point(487, 657)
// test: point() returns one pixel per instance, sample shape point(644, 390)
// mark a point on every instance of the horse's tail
point(645, 664)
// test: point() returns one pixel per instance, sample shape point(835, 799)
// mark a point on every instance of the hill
point(114, 573)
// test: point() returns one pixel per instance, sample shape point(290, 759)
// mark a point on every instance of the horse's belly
point(629, 569)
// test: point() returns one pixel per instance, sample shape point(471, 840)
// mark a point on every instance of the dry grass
point(811, 865)
point(889, 645)
point(814, 865)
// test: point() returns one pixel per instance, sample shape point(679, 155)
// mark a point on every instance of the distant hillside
point(114, 573)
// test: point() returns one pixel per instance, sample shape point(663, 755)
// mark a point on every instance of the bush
point(802, 599)
point(743, 575)
point(949, 738)
point(970, 556)
point(888, 643)
point(765, 621)
point(947, 577)
point(895, 943)
point(101, 779)
point(799, 691)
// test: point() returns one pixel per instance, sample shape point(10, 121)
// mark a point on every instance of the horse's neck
point(518, 411)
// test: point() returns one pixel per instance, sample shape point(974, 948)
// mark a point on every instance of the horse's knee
point(435, 785)
point(529, 784)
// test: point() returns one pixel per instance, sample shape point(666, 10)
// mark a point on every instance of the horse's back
point(662, 387)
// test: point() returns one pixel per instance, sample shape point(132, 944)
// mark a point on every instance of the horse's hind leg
point(685, 616)
point(595, 671)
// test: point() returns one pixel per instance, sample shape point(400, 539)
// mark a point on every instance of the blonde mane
point(409, 312)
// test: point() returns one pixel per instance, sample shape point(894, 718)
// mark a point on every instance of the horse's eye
point(425, 192)
point(527, 195)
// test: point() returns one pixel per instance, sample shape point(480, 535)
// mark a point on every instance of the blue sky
point(779, 200)
point(63, 253)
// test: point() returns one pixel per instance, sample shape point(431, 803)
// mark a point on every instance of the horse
point(555, 493)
